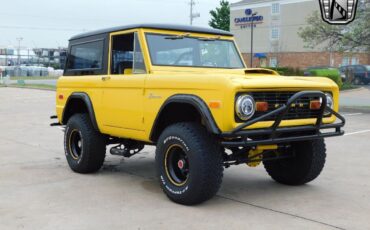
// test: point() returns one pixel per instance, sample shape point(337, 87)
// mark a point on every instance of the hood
point(264, 81)
point(247, 78)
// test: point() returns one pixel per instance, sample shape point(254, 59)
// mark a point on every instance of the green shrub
point(287, 71)
point(333, 74)
point(347, 86)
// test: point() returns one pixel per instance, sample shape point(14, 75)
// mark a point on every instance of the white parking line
point(358, 132)
point(352, 114)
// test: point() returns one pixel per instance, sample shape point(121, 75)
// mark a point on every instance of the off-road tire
point(305, 166)
point(92, 152)
point(204, 158)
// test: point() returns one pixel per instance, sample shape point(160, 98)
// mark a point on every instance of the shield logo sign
point(338, 11)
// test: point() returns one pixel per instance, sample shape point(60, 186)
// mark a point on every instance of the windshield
point(170, 50)
point(367, 67)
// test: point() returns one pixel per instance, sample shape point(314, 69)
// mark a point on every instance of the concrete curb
point(349, 109)
point(351, 90)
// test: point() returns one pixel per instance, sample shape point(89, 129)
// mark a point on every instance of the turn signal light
point(262, 106)
point(214, 104)
point(61, 97)
point(315, 105)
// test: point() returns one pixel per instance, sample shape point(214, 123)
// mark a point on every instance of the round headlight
point(245, 107)
point(329, 103)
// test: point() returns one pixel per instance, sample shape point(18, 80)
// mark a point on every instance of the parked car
point(361, 73)
point(187, 91)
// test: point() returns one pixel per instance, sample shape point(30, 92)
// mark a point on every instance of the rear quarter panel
point(67, 85)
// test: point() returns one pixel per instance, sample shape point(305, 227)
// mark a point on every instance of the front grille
point(300, 110)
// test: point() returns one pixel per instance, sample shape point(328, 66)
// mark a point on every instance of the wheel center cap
point(180, 164)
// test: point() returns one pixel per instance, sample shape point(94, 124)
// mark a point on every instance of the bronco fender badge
point(153, 96)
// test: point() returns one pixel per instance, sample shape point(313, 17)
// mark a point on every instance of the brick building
point(276, 40)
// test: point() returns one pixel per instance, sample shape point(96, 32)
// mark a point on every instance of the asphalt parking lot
point(39, 191)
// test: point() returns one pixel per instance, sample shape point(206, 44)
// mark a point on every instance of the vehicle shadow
point(240, 184)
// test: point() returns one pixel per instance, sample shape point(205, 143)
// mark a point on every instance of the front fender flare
point(197, 103)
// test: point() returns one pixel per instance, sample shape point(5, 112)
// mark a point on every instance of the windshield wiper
point(209, 39)
point(176, 37)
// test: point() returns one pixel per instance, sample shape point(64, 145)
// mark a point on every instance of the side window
point(86, 56)
point(127, 57)
point(354, 61)
point(345, 61)
point(359, 69)
point(273, 62)
point(275, 33)
point(275, 8)
point(139, 64)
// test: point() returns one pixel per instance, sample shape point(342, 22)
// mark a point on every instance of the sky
point(50, 23)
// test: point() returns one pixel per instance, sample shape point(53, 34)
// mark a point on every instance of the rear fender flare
point(87, 101)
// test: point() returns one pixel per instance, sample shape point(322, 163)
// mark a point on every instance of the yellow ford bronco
point(187, 91)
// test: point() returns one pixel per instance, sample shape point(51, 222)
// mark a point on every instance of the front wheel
point(305, 166)
point(189, 163)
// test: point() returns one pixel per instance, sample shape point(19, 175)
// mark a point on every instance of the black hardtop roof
point(184, 28)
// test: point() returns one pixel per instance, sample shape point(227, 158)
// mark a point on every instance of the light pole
point(192, 14)
point(19, 50)
point(254, 14)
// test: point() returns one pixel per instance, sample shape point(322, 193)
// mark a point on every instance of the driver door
point(123, 89)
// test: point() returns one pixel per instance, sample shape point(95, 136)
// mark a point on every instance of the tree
point(221, 16)
point(351, 37)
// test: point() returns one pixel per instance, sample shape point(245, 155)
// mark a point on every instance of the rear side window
point(86, 56)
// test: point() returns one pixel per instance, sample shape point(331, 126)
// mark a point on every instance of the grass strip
point(34, 86)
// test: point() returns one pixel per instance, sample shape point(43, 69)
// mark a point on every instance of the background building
point(276, 39)
point(25, 62)
point(33, 57)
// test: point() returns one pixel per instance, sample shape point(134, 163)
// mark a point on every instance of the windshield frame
point(187, 35)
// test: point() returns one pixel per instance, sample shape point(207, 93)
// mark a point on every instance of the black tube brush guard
point(249, 137)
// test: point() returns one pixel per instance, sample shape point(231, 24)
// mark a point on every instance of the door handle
point(105, 78)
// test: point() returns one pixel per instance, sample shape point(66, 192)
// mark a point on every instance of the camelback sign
point(246, 22)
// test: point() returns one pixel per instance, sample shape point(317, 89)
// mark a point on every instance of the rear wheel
point(305, 166)
point(189, 163)
point(84, 146)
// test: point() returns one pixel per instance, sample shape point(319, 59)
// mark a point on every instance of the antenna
point(192, 14)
